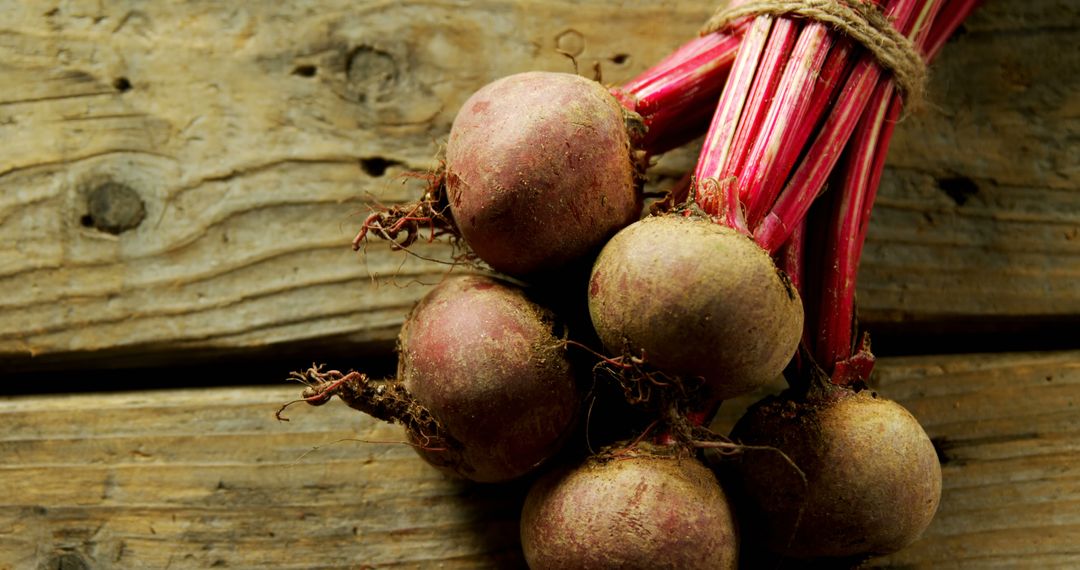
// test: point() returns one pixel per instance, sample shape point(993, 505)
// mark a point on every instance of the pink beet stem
point(673, 96)
point(837, 68)
point(690, 58)
point(763, 174)
point(810, 176)
point(861, 179)
point(674, 60)
point(688, 51)
point(782, 39)
point(842, 249)
point(794, 201)
point(710, 193)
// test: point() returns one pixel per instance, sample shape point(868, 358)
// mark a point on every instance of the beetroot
point(699, 299)
point(657, 509)
point(541, 168)
point(484, 387)
point(540, 171)
point(486, 361)
point(872, 477)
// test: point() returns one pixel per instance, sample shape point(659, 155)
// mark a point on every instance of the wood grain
point(208, 478)
point(256, 136)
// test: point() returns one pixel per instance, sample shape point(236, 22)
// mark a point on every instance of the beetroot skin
point(540, 171)
point(700, 299)
point(652, 510)
point(873, 477)
point(485, 361)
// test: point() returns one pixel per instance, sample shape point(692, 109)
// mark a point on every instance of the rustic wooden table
point(179, 183)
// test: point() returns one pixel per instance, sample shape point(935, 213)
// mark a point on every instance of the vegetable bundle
point(743, 272)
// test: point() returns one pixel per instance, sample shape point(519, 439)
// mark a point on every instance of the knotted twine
point(861, 21)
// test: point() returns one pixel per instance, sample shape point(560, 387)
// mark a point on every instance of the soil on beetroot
point(541, 171)
point(697, 300)
point(870, 480)
point(638, 507)
point(484, 388)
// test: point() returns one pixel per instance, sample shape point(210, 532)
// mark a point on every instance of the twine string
point(861, 21)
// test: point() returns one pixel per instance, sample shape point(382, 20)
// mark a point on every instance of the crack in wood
point(48, 98)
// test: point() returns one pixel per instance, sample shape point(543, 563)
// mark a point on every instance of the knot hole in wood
point(113, 208)
point(372, 75)
point(570, 42)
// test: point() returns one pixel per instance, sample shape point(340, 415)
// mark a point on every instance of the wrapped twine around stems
point(861, 21)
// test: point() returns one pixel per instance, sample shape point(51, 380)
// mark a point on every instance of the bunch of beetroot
point(739, 275)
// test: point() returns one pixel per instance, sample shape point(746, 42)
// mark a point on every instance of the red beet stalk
point(715, 192)
point(790, 207)
point(771, 115)
point(674, 96)
point(850, 210)
point(761, 123)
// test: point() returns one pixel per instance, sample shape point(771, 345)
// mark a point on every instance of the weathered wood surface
point(254, 136)
point(201, 479)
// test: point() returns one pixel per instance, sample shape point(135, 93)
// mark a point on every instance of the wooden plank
point(255, 137)
point(208, 478)
point(199, 480)
point(1007, 429)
